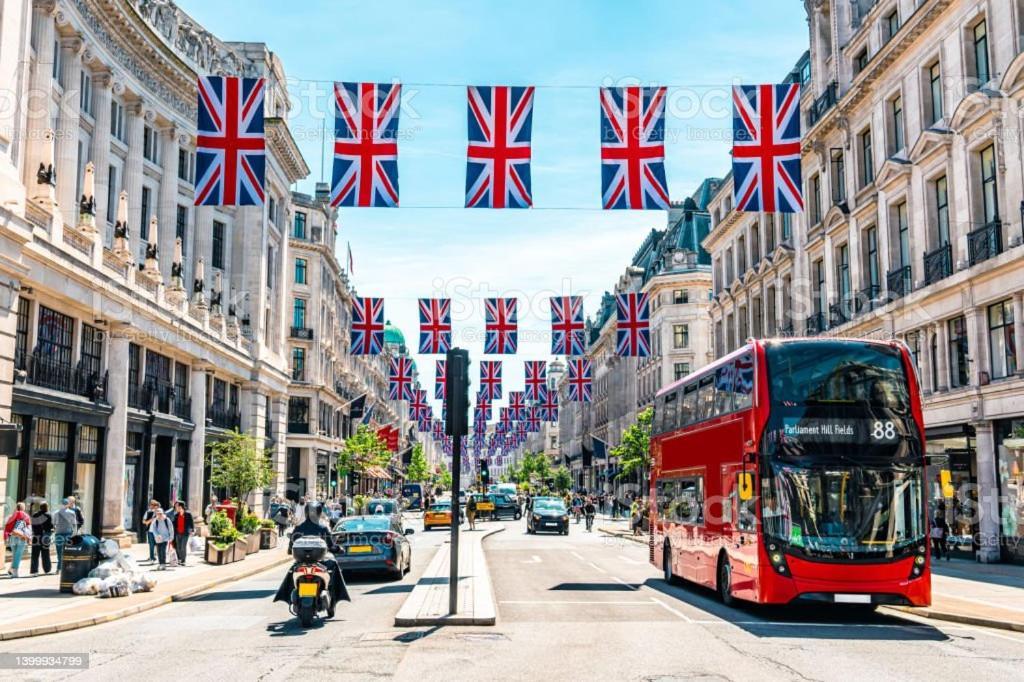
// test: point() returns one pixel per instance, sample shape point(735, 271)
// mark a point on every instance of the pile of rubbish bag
point(117, 575)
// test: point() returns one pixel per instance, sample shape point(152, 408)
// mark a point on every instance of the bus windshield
point(818, 372)
point(823, 510)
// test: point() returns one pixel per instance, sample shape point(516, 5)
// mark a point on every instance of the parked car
point(548, 514)
point(439, 515)
point(506, 506)
point(372, 543)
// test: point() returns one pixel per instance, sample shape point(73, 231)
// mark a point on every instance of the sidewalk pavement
point(36, 606)
point(427, 604)
point(990, 595)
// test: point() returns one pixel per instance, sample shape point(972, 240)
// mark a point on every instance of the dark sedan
point(372, 543)
point(549, 515)
point(505, 506)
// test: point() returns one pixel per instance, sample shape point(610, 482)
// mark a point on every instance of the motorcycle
point(312, 592)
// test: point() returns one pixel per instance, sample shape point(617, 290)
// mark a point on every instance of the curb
point(639, 539)
point(960, 618)
point(413, 621)
point(138, 608)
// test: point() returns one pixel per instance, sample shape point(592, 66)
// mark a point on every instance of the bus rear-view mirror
point(746, 486)
point(946, 478)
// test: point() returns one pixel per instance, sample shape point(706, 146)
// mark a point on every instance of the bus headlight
point(919, 560)
point(777, 559)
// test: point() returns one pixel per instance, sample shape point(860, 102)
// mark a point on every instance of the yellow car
point(439, 515)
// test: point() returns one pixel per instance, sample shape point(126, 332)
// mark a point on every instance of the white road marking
point(623, 582)
point(671, 610)
point(552, 601)
point(596, 567)
point(631, 561)
point(577, 556)
point(533, 560)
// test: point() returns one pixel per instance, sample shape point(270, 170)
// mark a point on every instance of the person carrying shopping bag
point(184, 528)
point(162, 531)
point(17, 535)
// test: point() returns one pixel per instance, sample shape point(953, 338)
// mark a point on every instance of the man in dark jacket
point(312, 527)
point(184, 529)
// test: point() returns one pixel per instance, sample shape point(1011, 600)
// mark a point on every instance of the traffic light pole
point(456, 426)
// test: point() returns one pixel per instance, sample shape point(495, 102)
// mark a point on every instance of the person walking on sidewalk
point(282, 517)
point(17, 535)
point(184, 529)
point(471, 512)
point(42, 538)
point(940, 533)
point(589, 510)
point(162, 531)
point(147, 521)
point(65, 523)
point(635, 518)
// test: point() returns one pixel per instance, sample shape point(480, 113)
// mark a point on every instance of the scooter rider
point(311, 527)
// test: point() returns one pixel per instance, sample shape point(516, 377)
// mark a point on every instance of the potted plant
point(225, 544)
point(1016, 439)
point(359, 502)
point(268, 534)
point(249, 527)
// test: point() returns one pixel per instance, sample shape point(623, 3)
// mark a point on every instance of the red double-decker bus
point(793, 470)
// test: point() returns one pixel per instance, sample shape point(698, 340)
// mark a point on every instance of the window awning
point(376, 472)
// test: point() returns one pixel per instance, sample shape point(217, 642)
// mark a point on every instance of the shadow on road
point(236, 595)
point(292, 628)
point(391, 589)
point(593, 587)
point(799, 620)
point(45, 593)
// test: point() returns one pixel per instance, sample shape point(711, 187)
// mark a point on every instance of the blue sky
point(563, 245)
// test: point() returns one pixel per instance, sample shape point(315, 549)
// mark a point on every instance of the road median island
point(427, 604)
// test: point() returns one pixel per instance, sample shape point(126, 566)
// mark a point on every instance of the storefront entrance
point(953, 448)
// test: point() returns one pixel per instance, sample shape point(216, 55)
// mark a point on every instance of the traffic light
point(485, 475)
point(457, 393)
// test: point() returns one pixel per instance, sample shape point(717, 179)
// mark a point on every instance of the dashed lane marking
point(597, 568)
point(623, 582)
point(673, 611)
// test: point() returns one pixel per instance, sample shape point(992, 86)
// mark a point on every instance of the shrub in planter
point(225, 544)
point(268, 534)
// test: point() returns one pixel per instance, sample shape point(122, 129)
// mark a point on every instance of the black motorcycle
point(314, 585)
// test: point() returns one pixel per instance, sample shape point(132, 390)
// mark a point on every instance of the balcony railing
point(223, 416)
point(825, 101)
point(938, 264)
point(985, 242)
point(317, 235)
point(815, 324)
point(839, 312)
point(302, 333)
point(160, 396)
point(867, 299)
point(46, 372)
point(898, 282)
point(298, 374)
point(298, 427)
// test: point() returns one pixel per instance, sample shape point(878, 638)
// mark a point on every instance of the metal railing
point(985, 242)
point(839, 312)
point(301, 333)
point(938, 264)
point(815, 324)
point(45, 372)
point(898, 282)
point(298, 427)
point(825, 101)
point(223, 416)
point(867, 299)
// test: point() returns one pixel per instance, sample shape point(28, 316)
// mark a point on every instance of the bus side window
point(688, 409)
point(671, 422)
point(743, 382)
point(690, 500)
point(706, 398)
point(723, 390)
point(658, 422)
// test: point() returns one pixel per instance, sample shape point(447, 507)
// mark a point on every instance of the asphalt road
point(578, 607)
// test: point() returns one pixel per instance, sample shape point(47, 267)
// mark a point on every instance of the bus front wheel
point(725, 580)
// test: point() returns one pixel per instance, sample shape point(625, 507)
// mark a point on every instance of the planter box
point(252, 543)
point(268, 538)
point(228, 555)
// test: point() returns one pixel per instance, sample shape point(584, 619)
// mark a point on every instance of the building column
point(977, 344)
point(924, 344)
point(116, 442)
point(137, 226)
point(99, 154)
point(197, 442)
point(40, 90)
point(942, 356)
point(202, 242)
point(988, 493)
point(8, 328)
point(279, 415)
point(167, 211)
point(67, 130)
point(1018, 329)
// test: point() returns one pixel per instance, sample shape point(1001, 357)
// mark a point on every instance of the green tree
point(563, 479)
point(362, 450)
point(540, 467)
point(239, 464)
point(418, 471)
point(634, 452)
point(443, 477)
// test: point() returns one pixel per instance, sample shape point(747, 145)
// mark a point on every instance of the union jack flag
point(506, 414)
point(533, 423)
point(483, 412)
point(498, 157)
point(567, 325)
point(365, 147)
point(419, 408)
point(633, 148)
point(367, 326)
point(231, 156)
point(633, 333)
point(548, 408)
point(400, 379)
point(766, 148)
point(439, 381)
point(435, 325)
point(516, 405)
point(580, 380)
point(536, 379)
point(438, 429)
point(501, 331)
point(490, 379)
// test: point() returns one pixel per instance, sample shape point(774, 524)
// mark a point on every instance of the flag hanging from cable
point(498, 156)
point(231, 155)
point(633, 148)
point(766, 148)
point(365, 144)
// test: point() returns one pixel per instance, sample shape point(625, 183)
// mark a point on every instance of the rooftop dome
point(393, 335)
